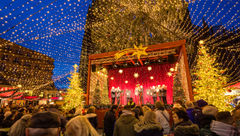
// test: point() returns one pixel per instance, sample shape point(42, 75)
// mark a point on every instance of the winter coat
point(190, 114)
point(205, 122)
point(109, 121)
point(163, 119)
point(223, 129)
point(148, 129)
point(197, 114)
point(186, 128)
point(92, 118)
point(124, 125)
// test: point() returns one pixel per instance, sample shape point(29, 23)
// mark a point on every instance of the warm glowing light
point(104, 69)
point(149, 68)
point(60, 98)
point(172, 69)
point(19, 86)
point(201, 42)
point(126, 81)
point(112, 78)
point(169, 74)
point(136, 75)
point(151, 77)
point(120, 71)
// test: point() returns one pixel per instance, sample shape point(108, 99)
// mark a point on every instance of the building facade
point(20, 66)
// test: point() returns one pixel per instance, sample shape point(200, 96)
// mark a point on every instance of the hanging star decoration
point(138, 51)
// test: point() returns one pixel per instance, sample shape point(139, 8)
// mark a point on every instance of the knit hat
point(202, 103)
point(210, 110)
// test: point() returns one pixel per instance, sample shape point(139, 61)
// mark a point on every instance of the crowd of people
point(182, 119)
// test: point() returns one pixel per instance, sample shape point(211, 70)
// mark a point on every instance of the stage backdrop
point(147, 77)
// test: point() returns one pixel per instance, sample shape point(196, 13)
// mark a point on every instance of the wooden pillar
point(189, 81)
point(88, 81)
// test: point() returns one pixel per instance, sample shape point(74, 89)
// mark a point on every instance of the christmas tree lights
point(210, 84)
point(75, 96)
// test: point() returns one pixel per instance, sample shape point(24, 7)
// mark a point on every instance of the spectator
point(124, 125)
point(131, 103)
point(145, 109)
point(236, 117)
point(7, 121)
point(19, 114)
point(180, 102)
point(201, 103)
point(136, 113)
point(54, 109)
point(197, 112)
point(18, 128)
point(1, 116)
point(44, 124)
point(139, 112)
point(92, 116)
point(209, 114)
point(162, 117)
point(190, 107)
point(224, 125)
point(148, 126)
point(183, 126)
point(109, 120)
point(80, 126)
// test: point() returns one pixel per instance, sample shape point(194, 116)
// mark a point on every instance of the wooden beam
point(88, 81)
point(150, 48)
point(189, 81)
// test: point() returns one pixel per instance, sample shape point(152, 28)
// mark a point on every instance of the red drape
point(126, 80)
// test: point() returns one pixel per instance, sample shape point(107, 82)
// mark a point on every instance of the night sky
point(56, 27)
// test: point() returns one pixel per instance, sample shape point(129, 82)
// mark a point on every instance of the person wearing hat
point(44, 124)
point(197, 112)
point(124, 126)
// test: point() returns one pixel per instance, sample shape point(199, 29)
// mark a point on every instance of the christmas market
point(119, 68)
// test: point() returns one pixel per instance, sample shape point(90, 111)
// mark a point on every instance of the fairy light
point(56, 29)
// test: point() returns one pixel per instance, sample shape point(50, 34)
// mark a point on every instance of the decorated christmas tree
point(105, 99)
point(97, 95)
point(210, 83)
point(74, 97)
point(178, 91)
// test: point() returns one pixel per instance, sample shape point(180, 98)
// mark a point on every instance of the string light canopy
point(56, 28)
point(117, 25)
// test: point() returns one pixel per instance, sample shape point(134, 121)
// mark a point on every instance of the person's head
point(140, 110)
point(201, 103)
point(80, 126)
point(131, 99)
point(114, 108)
point(145, 109)
point(225, 117)
point(159, 105)
point(179, 115)
point(44, 124)
point(18, 128)
point(210, 110)
point(180, 102)
point(91, 109)
point(189, 105)
point(149, 117)
point(127, 107)
point(177, 105)
point(136, 112)
point(236, 118)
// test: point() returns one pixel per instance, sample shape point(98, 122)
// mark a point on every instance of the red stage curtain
point(158, 72)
